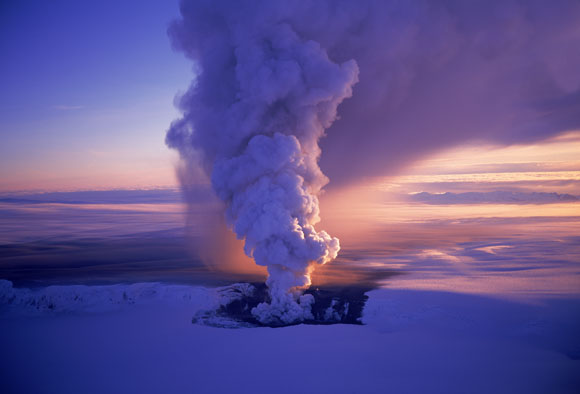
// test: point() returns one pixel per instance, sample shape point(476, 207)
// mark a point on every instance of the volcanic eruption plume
point(270, 75)
point(253, 118)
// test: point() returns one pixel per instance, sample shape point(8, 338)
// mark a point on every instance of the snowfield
point(139, 338)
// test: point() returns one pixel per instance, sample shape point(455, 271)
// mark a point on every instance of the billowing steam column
point(252, 118)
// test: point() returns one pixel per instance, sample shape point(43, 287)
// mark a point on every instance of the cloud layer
point(270, 76)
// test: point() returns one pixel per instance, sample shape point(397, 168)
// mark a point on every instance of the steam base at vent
point(332, 305)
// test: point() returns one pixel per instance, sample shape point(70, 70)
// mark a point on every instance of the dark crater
point(332, 305)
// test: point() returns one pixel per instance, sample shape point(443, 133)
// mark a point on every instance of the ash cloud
point(434, 74)
point(423, 75)
point(252, 119)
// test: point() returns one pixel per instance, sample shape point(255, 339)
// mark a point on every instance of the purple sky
point(87, 92)
point(88, 88)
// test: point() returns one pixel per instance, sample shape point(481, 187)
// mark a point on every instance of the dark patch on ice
point(332, 305)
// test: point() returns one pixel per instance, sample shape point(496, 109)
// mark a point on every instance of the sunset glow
point(273, 196)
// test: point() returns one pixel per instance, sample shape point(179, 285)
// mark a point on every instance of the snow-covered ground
point(139, 338)
point(473, 299)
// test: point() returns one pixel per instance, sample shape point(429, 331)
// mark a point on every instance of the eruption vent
point(252, 119)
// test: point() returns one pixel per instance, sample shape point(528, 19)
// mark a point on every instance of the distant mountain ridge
point(494, 197)
point(153, 196)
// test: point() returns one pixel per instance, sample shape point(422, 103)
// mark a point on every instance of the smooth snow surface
point(412, 342)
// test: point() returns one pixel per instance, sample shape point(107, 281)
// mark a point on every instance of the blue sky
point(87, 91)
point(87, 88)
